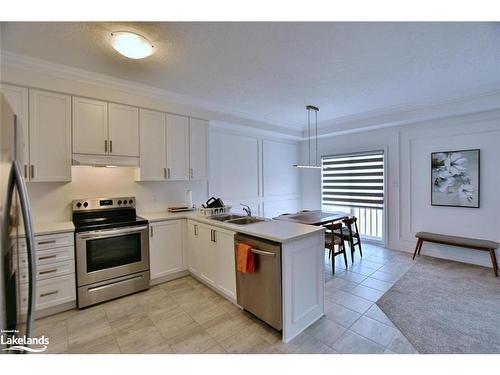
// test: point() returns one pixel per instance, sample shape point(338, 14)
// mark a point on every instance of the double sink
point(237, 219)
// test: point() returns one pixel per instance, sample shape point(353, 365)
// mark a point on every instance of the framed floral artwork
point(455, 178)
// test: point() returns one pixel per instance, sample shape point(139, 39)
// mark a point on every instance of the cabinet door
point(90, 126)
point(123, 130)
point(226, 276)
point(177, 147)
point(198, 149)
point(207, 254)
point(17, 99)
point(193, 232)
point(50, 136)
point(165, 248)
point(153, 153)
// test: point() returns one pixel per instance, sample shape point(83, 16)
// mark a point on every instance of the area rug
point(446, 307)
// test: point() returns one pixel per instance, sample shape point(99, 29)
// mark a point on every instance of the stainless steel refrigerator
point(16, 321)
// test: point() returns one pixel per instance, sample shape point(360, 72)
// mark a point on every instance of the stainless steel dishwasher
point(259, 292)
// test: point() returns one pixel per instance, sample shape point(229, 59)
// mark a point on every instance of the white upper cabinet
point(50, 136)
point(90, 126)
point(17, 99)
point(153, 155)
point(102, 128)
point(123, 130)
point(198, 149)
point(177, 147)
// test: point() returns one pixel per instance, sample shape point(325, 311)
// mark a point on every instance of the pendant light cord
point(309, 133)
point(316, 113)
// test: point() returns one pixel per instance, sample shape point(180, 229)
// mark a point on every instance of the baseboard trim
point(51, 310)
point(172, 276)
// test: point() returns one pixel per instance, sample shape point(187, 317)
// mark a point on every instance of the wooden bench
point(470, 243)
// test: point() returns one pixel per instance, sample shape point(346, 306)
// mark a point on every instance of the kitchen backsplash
point(51, 202)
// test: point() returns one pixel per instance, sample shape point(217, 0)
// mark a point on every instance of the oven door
point(105, 254)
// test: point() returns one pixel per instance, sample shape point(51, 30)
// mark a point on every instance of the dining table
point(314, 217)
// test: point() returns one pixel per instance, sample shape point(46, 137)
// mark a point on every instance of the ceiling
point(271, 71)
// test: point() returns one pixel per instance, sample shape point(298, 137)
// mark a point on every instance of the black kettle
point(213, 203)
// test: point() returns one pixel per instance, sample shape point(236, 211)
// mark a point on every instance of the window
point(355, 183)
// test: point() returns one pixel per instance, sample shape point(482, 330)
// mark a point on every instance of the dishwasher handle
point(262, 252)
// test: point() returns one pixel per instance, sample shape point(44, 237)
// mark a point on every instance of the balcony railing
point(370, 220)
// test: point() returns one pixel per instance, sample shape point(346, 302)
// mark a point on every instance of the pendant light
point(310, 108)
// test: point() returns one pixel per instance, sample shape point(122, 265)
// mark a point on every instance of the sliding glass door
point(355, 183)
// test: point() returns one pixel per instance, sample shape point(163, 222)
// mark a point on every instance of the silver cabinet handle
point(191, 173)
point(151, 231)
point(214, 236)
point(110, 146)
point(105, 145)
point(164, 173)
point(46, 272)
point(48, 257)
point(25, 171)
point(261, 252)
point(168, 173)
point(46, 242)
point(49, 293)
point(32, 171)
point(195, 230)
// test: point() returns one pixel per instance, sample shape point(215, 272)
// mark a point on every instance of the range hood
point(104, 160)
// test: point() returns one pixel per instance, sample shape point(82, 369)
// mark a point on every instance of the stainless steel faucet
point(247, 209)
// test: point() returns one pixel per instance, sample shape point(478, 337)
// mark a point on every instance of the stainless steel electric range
point(112, 249)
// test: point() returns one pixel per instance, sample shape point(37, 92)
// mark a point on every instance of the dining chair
point(335, 237)
point(351, 233)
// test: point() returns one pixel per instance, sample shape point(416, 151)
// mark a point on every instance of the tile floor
point(184, 316)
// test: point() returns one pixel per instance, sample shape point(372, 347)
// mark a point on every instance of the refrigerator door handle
point(16, 180)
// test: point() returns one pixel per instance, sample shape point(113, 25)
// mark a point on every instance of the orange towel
point(246, 260)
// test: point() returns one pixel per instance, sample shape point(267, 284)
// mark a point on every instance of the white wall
point(409, 210)
point(255, 170)
point(51, 201)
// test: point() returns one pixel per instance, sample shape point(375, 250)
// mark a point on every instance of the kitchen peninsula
point(209, 257)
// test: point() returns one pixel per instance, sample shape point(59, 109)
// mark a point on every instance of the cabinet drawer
point(51, 256)
point(50, 292)
point(48, 271)
point(50, 241)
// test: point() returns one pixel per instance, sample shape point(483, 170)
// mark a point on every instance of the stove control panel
point(103, 203)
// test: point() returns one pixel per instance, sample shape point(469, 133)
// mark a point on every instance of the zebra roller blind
point(355, 180)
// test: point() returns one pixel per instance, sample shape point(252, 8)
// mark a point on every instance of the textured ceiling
point(272, 70)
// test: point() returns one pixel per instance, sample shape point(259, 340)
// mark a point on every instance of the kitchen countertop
point(273, 230)
point(50, 228)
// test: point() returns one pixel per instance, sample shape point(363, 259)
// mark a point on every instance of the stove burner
point(104, 213)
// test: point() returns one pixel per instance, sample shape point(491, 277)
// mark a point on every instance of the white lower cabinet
point(166, 248)
point(207, 255)
point(211, 256)
point(226, 273)
point(193, 242)
point(55, 271)
point(51, 292)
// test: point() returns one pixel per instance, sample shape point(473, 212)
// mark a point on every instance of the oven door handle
point(110, 233)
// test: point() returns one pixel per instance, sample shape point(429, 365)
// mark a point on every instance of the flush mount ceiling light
point(310, 108)
point(131, 45)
